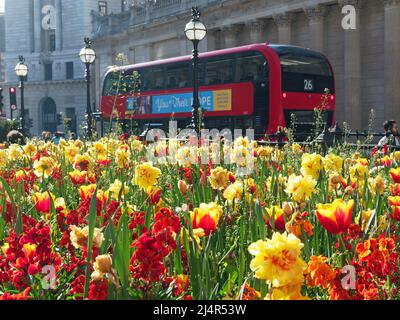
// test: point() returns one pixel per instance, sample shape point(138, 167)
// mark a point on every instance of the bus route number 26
point(308, 85)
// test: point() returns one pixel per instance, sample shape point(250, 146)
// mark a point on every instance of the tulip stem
point(344, 249)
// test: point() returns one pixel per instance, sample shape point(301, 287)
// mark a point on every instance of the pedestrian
point(15, 137)
point(391, 138)
point(46, 136)
point(56, 137)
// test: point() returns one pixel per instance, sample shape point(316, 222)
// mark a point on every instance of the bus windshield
point(121, 82)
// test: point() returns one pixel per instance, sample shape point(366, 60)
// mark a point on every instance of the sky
point(1, 5)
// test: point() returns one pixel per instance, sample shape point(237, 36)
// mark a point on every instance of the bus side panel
point(235, 99)
point(308, 101)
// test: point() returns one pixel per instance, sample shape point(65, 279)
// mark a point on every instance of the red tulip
point(42, 201)
point(395, 174)
point(335, 217)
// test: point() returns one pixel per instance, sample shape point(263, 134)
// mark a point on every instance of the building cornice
point(283, 19)
point(46, 83)
point(391, 3)
point(315, 13)
point(355, 3)
point(209, 10)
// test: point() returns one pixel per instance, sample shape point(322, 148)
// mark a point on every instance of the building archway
point(48, 114)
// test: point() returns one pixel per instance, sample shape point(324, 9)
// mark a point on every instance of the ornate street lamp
point(21, 70)
point(87, 56)
point(195, 31)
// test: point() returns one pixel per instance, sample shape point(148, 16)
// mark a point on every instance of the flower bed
point(99, 220)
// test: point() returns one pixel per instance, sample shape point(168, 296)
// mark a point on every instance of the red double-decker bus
point(255, 86)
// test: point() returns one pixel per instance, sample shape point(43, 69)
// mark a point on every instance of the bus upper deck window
point(177, 75)
point(252, 67)
point(219, 70)
point(155, 78)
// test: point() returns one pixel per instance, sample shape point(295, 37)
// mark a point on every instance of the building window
point(48, 71)
point(49, 116)
point(69, 68)
point(103, 8)
point(52, 42)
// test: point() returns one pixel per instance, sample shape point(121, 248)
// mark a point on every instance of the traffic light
point(59, 119)
point(1, 100)
point(13, 98)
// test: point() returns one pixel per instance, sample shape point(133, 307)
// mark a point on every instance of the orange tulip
point(42, 201)
point(335, 217)
point(182, 186)
point(395, 174)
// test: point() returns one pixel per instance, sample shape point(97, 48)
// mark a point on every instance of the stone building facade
point(2, 45)
point(49, 34)
point(366, 60)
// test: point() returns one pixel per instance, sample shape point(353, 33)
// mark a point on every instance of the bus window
point(131, 81)
point(252, 67)
point(177, 75)
point(111, 84)
point(219, 70)
point(154, 78)
point(201, 73)
point(304, 70)
point(305, 65)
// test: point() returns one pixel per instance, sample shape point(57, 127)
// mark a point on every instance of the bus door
point(253, 67)
point(261, 99)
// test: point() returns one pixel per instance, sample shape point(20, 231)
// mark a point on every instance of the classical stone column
point(230, 34)
point(352, 70)
point(183, 44)
point(212, 39)
point(97, 80)
point(284, 24)
point(59, 39)
point(144, 53)
point(256, 28)
point(131, 55)
point(316, 15)
point(392, 59)
point(37, 25)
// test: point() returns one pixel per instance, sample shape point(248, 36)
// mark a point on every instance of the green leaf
point(18, 222)
point(122, 251)
point(92, 223)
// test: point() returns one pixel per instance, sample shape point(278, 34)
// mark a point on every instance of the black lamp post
point(21, 70)
point(195, 31)
point(87, 56)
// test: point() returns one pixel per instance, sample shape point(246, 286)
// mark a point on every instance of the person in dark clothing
point(15, 137)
